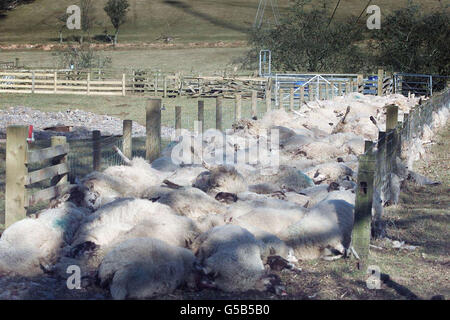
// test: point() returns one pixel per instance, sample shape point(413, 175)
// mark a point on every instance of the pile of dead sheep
point(143, 230)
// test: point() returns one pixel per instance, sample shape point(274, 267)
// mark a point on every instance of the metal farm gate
point(314, 86)
point(418, 84)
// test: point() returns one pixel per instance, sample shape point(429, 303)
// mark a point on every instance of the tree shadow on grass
point(221, 23)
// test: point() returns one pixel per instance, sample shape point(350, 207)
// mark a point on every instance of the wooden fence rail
point(58, 83)
point(18, 176)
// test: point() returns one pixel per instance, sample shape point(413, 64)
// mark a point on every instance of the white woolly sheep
point(189, 202)
point(129, 180)
point(33, 244)
point(346, 195)
point(286, 178)
point(328, 172)
point(271, 220)
point(145, 268)
point(317, 193)
point(232, 256)
point(129, 218)
point(326, 229)
point(222, 178)
point(248, 202)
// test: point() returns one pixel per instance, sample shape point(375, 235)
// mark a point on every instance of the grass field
point(185, 20)
point(208, 35)
point(187, 60)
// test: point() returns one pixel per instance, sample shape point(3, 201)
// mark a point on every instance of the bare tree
point(87, 17)
point(117, 12)
point(61, 23)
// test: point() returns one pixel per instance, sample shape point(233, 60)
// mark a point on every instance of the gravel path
point(82, 123)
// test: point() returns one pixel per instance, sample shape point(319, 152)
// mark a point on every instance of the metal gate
point(314, 86)
point(419, 84)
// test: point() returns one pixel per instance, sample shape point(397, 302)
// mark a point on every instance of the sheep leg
point(353, 251)
point(332, 258)
point(172, 185)
point(122, 156)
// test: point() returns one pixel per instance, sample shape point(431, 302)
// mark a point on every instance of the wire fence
point(396, 143)
point(81, 160)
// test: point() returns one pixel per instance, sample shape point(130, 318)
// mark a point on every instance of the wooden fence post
point(360, 83)
point(56, 141)
point(268, 99)
point(124, 85)
point(16, 174)
point(155, 86)
point(201, 115)
point(153, 127)
point(254, 104)
point(311, 92)
point(319, 88)
point(381, 175)
point(219, 101)
point(363, 206)
point(302, 96)
point(406, 124)
point(340, 93)
point(178, 120)
point(391, 117)
point(55, 82)
point(17, 63)
point(165, 87)
point(238, 107)
point(127, 138)
point(97, 149)
point(391, 144)
point(88, 83)
point(291, 99)
point(380, 82)
point(280, 98)
point(33, 80)
point(332, 90)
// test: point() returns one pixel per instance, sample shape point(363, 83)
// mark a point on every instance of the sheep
point(189, 202)
point(143, 268)
point(270, 244)
point(324, 230)
point(285, 133)
point(115, 182)
point(222, 178)
point(137, 173)
point(247, 202)
point(270, 220)
point(287, 179)
point(292, 144)
point(297, 198)
point(328, 172)
point(129, 218)
point(185, 176)
point(317, 193)
point(29, 246)
point(232, 256)
point(346, 195)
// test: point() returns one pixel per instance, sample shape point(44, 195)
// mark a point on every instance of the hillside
point(184, 20)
